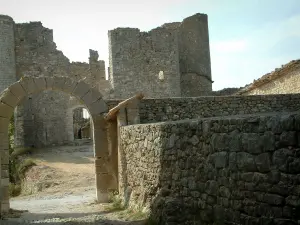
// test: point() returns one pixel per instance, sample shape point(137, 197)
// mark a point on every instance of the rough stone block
point(40, 82)
point(92, 96)
point(5, 207)
point(99, 122)
point(104, 181)
point(4, 122)
point(29, 85)
point(59, 83)
point(9, 98)
point(288, 138)
point(280, 158)
point(5, 193)
point(3, 141)
point(220, 159)
point(101, 169)
point(4, 181)
point(102, 196)
point(18, 90)
point(293, 201)
point(81, 89)
point(251, 143)
point(268, 141)
point(98, 107)
point(245, 161)
point(49, 82)
point(6, 110)
point(263, 162)
point(294, 166)
point(101, 143)
point(4, 156)
point(101, 166)
point(69, 85)
point(5, 173)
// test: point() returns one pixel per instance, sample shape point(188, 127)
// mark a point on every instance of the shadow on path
point(68, 218)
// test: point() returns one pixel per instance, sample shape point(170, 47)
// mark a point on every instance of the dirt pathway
point(61, 190)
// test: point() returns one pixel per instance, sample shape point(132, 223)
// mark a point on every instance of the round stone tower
point(7, 52)
point(7, 77)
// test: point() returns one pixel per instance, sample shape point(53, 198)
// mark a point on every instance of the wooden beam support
point(112, 113)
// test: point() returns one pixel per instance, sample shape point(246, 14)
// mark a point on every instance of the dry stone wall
point(226, 92)
point(172, 109)
point(234, 170)
point(155, 110)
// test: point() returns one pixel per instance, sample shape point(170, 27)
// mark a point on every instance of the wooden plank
point(112, 113)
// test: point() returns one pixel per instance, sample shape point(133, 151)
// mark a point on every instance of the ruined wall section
point(79, 70)
point(7, 52)
point(41, 120)
point(97, 67)
point(226, 92)
point(93, 73)
point(146, 62)
point(194, 56)
point(98, 75)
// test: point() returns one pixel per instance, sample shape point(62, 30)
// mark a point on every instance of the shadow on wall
point(42, 120)
point(235, 170)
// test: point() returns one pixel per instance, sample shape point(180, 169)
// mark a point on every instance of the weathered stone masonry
point(169, 61)
point(235, 170)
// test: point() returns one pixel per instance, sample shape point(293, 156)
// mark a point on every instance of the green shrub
point(17, 166)
point(14, 189)
point(19, 151)
point(24, 166)
point(116, 203)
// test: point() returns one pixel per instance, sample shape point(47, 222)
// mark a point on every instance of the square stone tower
point(169, 61)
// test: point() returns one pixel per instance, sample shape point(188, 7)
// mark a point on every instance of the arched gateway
point(90, 97)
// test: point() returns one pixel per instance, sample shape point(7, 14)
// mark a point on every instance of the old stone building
point(284, 80)
point(169, 61)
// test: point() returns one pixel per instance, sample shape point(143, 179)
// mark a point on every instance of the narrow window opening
point(161, 75)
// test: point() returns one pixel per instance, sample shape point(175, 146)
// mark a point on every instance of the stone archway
point(88, 96)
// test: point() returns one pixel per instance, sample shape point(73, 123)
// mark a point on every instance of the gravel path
point(63, 209)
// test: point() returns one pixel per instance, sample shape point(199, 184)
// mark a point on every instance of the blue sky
point(247, 38)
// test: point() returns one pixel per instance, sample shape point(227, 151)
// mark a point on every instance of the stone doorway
point(90, 97)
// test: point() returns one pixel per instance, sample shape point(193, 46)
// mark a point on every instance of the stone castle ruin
point(178, 150)
point(162, 63)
